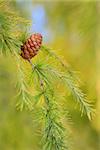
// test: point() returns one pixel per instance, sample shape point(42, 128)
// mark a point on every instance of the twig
point(33, 66)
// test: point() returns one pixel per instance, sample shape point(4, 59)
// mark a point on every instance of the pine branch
point(10, 24)
point(10, 44)
point(52, 74)
point(54, 132)
point(24, 97)
point(45, 77)
point(53, 136)
point(52, 54)
point(66, 66)
point(80, 98)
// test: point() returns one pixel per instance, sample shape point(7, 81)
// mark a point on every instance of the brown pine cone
point(30, 48)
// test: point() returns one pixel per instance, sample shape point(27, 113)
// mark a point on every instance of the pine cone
point(30, 48)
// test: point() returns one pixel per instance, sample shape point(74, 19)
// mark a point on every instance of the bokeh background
point(72, 29)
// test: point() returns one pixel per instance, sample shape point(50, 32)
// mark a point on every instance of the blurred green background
point(72, 29)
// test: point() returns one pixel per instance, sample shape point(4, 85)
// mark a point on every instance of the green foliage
point(24, 97)
point(46, 77)
point(10, 32)
point(54, 131)
point(68, 78)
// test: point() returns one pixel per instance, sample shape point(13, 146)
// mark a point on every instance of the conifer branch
point(52, 54)
point(24, 97)
point(52, 74)
point(53, 136)
point(54, 132)
point(9, 28)
point(80, 98)
point(46, 77)
point(66, 66)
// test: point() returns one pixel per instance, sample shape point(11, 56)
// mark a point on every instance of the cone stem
point(33, 66)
